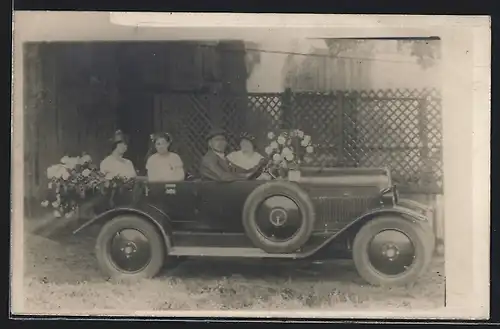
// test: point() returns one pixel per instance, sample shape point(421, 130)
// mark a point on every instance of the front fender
point(149, 212)
point(405, 213)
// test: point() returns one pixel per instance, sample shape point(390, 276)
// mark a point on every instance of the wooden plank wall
point(70, 107)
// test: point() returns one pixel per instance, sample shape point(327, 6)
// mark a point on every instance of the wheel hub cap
point(278, 218)
point(130, 251)
point(391, 252)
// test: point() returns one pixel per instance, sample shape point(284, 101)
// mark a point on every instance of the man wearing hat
point(215, 165)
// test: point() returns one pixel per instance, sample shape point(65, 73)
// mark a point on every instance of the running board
point(228, 252)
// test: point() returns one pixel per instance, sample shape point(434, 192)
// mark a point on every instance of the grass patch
point(63, 276)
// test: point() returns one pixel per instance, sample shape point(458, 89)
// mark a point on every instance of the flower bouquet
point(288, 150)
point(76, 180)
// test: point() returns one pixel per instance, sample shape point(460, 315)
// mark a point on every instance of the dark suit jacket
point(213, 167)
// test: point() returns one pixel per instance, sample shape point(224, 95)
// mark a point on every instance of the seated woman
point(115, 164)
point(164, 166)
point(247, 158)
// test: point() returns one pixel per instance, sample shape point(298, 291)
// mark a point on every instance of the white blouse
point(112, 166)
point(165, 168)
point(244, 161)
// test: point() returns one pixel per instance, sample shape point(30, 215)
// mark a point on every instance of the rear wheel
point(130, 247)
point(390, 250)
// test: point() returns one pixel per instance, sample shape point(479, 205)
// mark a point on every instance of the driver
point(215, 165)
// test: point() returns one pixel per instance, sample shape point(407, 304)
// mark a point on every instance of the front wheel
point(390, 250)
point(130, 247)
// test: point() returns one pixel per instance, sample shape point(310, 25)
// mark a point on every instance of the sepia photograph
point(189, 169)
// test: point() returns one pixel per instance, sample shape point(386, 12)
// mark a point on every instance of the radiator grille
point(334, 212)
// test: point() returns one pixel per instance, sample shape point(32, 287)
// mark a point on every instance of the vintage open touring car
point(319, 215)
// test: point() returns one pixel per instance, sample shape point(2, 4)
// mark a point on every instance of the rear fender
point(149, 212)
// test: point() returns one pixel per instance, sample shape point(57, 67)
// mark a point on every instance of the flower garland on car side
point(75, 180)
point(288, 150)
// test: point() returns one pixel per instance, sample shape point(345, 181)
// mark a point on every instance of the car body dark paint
point(153, 214)
point(207, 214)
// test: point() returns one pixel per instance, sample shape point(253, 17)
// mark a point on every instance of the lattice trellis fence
point(400, 129)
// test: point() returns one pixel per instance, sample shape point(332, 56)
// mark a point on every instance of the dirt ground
point(62, 276)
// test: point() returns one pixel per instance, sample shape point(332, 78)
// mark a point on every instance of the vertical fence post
point(426, 171)
point(33, 101)
point(286, 110)
point(426, 174)
point(340, 127)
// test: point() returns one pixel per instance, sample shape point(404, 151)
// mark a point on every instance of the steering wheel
point(258, 170)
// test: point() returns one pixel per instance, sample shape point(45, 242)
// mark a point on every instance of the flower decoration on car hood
point(289, 149)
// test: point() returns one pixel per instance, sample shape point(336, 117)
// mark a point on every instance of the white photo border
point(466, 43)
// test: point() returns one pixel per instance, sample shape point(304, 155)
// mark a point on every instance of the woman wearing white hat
point(115, 164)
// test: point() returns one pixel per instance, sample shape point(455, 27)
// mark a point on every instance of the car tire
point(105, 248)
point(287, 190)
point(429, 233)
point(363, 249)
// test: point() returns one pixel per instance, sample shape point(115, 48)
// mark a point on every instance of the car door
point(179, 200)
point(221, 203)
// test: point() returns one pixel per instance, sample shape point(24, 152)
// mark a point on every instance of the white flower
point(268, 150)
point(270, 135)
point(300, 133)
point(274, 145)
point(50, 185)
point(65, 175)
point(86, 173)
point(85, 159)
point(55, 204)
point(309, 149)
point(307, 138)
point(286, 151)
point(57, 214)
point(64, 159)
point(45, 203)
point(72, 162)
point(54, 171)
point(69, 214)
point(289, 157)
point(277, 157)
point(281, 140)
point(284, 164)
point(293, 133)
point(61, 172)
point(304, 143)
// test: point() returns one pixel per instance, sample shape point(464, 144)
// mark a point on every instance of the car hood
point(376, 177)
